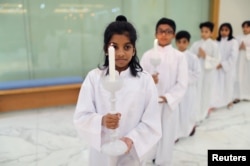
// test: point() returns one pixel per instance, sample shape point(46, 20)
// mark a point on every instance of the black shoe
point(192, 132)
point(153, 161)
point(236, 101)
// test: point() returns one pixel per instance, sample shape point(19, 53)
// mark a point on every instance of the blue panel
point(40, 82)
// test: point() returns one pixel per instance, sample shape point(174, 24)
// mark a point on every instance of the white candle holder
point(156, 59)
point(115, 147)
point(155, 62)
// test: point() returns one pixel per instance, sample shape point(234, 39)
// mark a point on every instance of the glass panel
point(14, 63)
point(42, 38)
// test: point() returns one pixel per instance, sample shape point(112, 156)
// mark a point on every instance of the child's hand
point(162, 99)
point(155, 78)
point(111, 121)
point(219, 66)
point(128, 142)
point(242, 46)
point(201, 53)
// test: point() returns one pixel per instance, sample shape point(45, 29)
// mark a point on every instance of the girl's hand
point(242, 46)
point(111, 121)
point(128, 142)
point(155, 78)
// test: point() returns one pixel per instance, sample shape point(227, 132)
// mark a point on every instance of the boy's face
point(182, 44)
point(246, 29)
point(205, 33)
point(164, 34)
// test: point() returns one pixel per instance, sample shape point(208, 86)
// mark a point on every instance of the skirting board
point(39, 97)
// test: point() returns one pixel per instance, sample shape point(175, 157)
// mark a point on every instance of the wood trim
point(214, 15)
point(39, 97)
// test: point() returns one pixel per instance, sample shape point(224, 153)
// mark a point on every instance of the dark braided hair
point(122, 27)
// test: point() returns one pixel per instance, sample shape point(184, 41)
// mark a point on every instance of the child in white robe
point(188, 109)
point(244, 63)
point(207, 51)
point(136, 102)
point(228, 48)
point(171, 81)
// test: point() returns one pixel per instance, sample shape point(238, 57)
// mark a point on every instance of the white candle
point(111, 51)
point(155, 45)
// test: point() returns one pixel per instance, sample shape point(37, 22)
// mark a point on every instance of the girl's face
point(124, 51)
point(164, 34)
point(224, 32)
point(205, 33)
point(182, 44)
point(246, 29)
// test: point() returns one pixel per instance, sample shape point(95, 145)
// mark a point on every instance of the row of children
point(218, 77)
point(150, 112)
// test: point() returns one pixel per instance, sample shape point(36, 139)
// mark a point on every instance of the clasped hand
point(111, 121)
point(201, 53)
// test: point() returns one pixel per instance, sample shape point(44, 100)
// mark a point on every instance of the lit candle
point(111, 51)
point(155, 44)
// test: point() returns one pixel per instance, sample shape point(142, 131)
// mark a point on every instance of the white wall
point(234, 12)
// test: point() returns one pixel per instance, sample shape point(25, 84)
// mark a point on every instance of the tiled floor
point(46, 137)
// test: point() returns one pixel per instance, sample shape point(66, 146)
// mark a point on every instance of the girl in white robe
point(228, 48)
point(244, 62)
point(138, 116)
point(188, 109)
point(171, 81)
point(207, 51)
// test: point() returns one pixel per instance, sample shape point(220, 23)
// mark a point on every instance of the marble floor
point(46, 137)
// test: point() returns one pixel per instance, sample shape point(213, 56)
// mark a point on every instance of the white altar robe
point(244, 68)
point(188, 105)
point(206, 83)
point(137, 102)
point(226, 75)
point(173, 80)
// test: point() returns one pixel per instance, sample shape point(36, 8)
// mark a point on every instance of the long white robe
point(188, 109)
point(206, 83)
point(226, 75)
point(173, 80)
point(140, 115)
point(244, 68)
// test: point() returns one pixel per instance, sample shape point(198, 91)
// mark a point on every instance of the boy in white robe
point(228, 48)
point(244, 62)
point(171, 80)
point(207, 51)
point(137, 118)
point(188, 109)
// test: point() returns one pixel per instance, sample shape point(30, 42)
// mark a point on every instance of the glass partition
point(42, 38)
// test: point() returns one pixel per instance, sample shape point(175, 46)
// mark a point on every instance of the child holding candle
point(136, 102)
point(171, 81)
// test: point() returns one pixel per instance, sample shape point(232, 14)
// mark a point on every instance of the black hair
point(122, 27)
point(207, 24)
point(230, 35)
point(246, 23)
point(183, 34)
point(167, 21)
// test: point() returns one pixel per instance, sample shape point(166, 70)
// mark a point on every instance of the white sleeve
point(176, 93)
point(212, 59)
point(228, 64)
point(86, 119)
point(149, 123)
